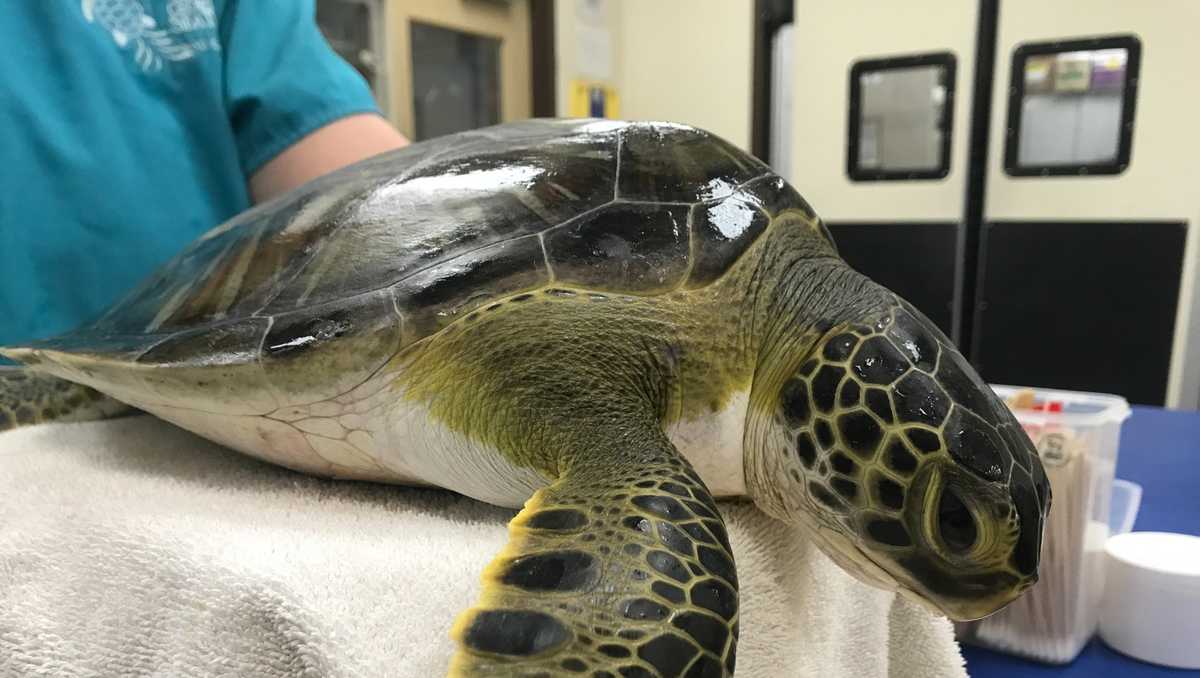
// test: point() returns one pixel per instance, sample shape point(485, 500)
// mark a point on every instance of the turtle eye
point(955, 524)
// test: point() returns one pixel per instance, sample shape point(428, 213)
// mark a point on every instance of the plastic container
point(1076, 435)
point(1123, 507)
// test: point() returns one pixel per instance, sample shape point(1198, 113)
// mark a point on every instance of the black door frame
point(769, 16)
point(967, 289)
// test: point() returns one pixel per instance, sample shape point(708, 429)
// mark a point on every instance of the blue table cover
point(1160, 450)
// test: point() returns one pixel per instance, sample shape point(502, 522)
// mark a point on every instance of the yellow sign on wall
point(591, 99)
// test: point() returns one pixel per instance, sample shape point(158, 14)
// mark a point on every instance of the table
point(1160, 450)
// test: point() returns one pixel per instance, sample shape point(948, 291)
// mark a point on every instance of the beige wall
point(686, 61)
point(568, 16)
point(828, 38)
point(1160, 182)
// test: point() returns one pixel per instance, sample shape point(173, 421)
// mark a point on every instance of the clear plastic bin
point(1077, 435)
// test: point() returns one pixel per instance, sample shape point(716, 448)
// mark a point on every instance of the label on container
point(1052, 447)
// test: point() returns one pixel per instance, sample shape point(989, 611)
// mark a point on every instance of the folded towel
point(130, 547)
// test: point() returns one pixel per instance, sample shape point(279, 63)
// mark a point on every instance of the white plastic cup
point(1151, 607)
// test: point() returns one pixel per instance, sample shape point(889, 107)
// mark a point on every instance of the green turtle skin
point(608, 324)
point(28, 398)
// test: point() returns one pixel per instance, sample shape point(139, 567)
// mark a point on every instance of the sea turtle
point(610, 324)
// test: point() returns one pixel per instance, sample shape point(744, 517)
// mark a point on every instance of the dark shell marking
point(663, 602)
point(515, 632)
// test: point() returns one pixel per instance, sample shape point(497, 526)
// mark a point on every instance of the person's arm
point(296, 109)
point(331, 147)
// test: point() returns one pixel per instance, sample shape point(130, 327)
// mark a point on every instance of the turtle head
point(906, 468)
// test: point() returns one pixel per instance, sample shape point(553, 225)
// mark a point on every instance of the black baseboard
point(1086, 306)
point(913, 259)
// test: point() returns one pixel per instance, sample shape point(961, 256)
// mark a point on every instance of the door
point(1087, 259)
point(457, 64)
point(878, 137)
point(1059, 249)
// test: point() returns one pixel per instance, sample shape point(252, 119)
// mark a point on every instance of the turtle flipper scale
point(28, 398)
point(620, 568)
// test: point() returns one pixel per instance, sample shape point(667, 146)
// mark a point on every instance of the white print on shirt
point(190, 29)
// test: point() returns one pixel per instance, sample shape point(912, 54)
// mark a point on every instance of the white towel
point(131, 547)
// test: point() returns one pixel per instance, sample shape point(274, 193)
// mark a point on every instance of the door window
point(900, 117)
point(1070, 108)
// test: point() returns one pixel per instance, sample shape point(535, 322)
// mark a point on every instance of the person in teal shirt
point(133, 126)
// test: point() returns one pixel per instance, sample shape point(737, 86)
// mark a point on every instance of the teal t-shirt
point(130, 127)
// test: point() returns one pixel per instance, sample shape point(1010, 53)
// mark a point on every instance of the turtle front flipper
point(620, 568)
point(28, 398)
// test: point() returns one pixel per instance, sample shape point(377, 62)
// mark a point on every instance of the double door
point(1021, 171)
